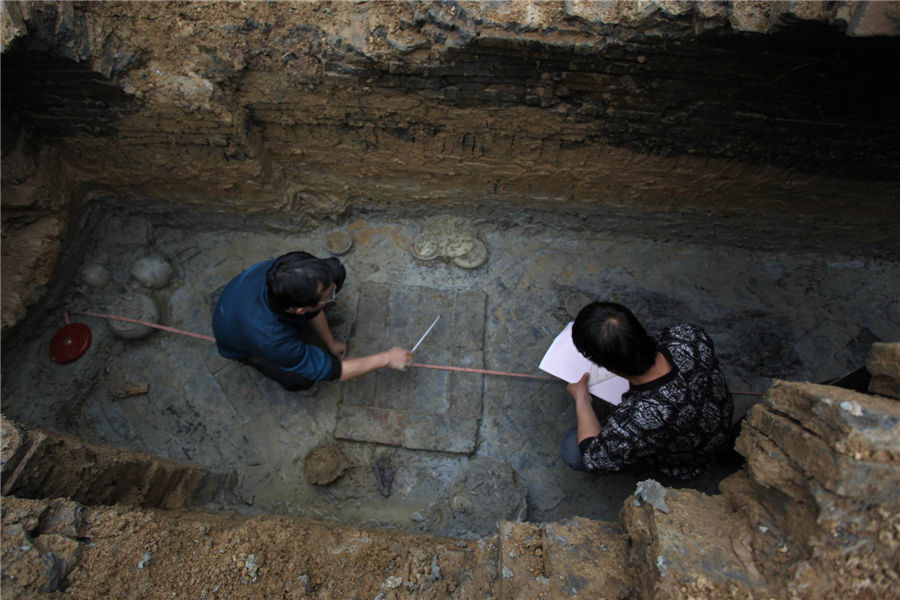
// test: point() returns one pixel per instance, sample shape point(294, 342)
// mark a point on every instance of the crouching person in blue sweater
point(262, 315)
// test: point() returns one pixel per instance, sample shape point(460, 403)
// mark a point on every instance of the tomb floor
point(773, 313)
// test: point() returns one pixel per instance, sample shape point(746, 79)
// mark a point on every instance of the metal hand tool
point(427, 331)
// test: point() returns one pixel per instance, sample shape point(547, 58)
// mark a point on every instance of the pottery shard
point(473, 257)
point(339, 242)
point(324, 464)
point(425, 246)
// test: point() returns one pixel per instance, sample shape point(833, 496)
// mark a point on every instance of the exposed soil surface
point(771, 314)
point(139, 554)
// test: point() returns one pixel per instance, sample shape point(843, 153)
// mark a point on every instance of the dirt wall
point(736, 112)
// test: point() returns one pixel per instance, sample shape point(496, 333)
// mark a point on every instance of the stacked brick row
point(42, 464)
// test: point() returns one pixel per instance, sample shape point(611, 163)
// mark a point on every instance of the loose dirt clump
point(324, 464)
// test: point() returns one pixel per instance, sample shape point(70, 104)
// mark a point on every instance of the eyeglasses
point(331, 296)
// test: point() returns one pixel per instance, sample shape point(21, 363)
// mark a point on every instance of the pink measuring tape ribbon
point(483, 371)
point(145, 323)
point(212, 339)
point(419, 365)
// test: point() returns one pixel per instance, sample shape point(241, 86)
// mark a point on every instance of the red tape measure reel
point(70, 343)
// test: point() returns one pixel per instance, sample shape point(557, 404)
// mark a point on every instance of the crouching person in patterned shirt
point(676, 416)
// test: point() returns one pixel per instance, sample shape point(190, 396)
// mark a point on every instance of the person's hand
point(398, 358)
point(578, 389)
point(337, 349)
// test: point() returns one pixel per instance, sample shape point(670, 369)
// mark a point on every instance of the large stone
point(848, 422)
point(29, 258)
point(842, 474)
point(822, 491)
point(770, 467)
point(781, 530)
point(700, 548)
point(12, 446)
point(883, 363)
point(153, 272)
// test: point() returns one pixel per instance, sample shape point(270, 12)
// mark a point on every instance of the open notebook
point(563, 360)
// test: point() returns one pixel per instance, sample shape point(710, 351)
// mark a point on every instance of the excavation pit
point(731, 164)
point(770, 312)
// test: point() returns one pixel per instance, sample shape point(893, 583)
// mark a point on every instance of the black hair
point(609, 335)
point(296, 279)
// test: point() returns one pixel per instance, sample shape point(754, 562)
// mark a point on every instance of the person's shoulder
point(262, 265)
point(685, 332)
point(687, 338)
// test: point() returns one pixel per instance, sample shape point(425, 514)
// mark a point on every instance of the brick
point(430, 409)
point(435, 432)
point(367, 424)
point(431, 393)
point(465, 391)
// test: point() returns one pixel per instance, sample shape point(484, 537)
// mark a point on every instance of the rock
point(384, 474)
point(129, 389)
point(12, 446)
point(883, 363)
point(251, 565)
point(136, 306)
point(152, 272)
point(60, 554)
point(95, 275)
point(849, 423)
point(651, 492)
point(63, 517)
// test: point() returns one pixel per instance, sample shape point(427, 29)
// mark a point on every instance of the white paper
point(563, 360)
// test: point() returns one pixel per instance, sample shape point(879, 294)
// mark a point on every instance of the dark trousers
point(289, 381)
point(568, 448)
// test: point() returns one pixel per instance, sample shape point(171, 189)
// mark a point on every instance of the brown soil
point(128, 553)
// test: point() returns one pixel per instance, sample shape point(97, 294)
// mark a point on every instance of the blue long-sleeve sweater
point(246, 326)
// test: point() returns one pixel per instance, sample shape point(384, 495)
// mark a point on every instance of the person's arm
point(396, 358)
point(319, 324)
point(588, 424)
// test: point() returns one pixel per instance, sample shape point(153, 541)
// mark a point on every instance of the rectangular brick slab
point(423, 409)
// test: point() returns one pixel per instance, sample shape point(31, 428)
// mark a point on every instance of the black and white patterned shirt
point(677, 423)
